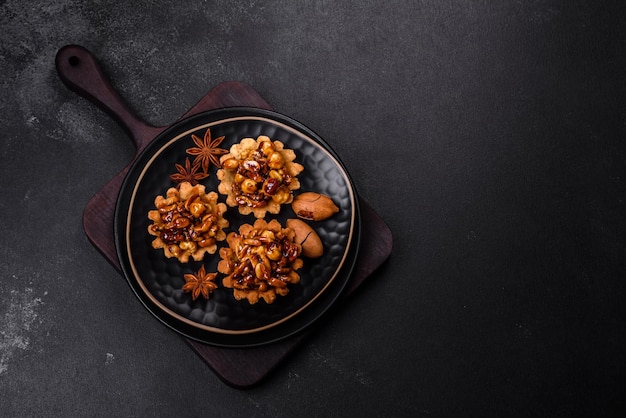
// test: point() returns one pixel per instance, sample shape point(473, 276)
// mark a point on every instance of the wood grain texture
point(238, 367)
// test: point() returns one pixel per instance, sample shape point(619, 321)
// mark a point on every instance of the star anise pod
point(200, 283)
point(207, 151)
point(188, 173)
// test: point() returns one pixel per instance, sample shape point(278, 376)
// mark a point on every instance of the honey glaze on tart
point(258, 176)
point(187, 222)
point(260, 261)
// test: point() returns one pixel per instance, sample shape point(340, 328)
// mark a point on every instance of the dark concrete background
point(488, 135)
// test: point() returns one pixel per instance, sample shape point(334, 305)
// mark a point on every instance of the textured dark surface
point(488, 135)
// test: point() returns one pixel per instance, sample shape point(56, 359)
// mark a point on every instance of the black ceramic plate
point(221, 320)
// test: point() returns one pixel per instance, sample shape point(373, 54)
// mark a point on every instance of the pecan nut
point(314, 206)
point(306, 236)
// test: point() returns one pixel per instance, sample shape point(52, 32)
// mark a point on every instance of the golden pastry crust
point(260, 261)
point(187, 222)
point(258, 176)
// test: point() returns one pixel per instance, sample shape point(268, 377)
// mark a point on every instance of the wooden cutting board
point(237, 367)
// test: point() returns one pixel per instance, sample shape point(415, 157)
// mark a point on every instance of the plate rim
point(123, 214)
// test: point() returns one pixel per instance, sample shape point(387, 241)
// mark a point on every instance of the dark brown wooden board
point(238, 367)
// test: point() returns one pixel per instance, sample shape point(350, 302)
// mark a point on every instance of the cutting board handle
point(80, 72)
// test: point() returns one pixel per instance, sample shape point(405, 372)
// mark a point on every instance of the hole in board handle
point(73, 61)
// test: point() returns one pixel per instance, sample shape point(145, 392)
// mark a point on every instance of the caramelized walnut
point(187, 222)
point(260, 261)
